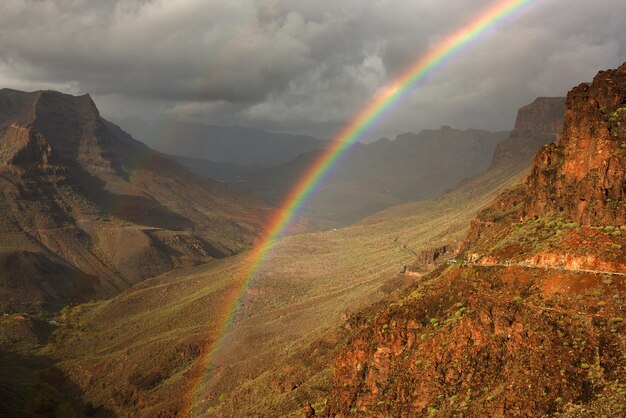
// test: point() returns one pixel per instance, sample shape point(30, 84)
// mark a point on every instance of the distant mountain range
point(236, 145)
point(371, 177)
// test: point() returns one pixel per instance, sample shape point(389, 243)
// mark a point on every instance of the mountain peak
point(85, 200)
point(543, 116)
point(44, 106)
point(537, 124)
point(583, 175)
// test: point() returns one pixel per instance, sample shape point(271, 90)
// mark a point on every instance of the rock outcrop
point(585, 174)
point(537, 124)
point(24, 145)
point(532, 324)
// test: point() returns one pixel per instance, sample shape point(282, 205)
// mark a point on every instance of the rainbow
point(384, 99)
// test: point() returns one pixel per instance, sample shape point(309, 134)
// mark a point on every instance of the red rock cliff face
point(483, 342)
point(515, 336)
point(585, 174)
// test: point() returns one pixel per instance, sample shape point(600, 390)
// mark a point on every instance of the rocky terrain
point(138, 352)
point(584, 176)
point(531, 323)
point(86, 211)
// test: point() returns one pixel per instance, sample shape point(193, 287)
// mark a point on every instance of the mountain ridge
point(75, 187)
point(297, 310)
point(528, 321)
point(237, 145)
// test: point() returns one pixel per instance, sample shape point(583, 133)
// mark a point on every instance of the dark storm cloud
point(302, 65)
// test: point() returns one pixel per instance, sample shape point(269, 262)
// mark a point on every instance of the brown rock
point(537, 124)
point(532, 337)
point(87, 211)
point(585, 174)
point(308, 411)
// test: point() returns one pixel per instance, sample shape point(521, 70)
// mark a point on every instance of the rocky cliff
point(537, 124)
point(533, 324)
point(585, 174)
point(87, 211)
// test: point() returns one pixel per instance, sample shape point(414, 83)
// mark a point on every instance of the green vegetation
point(541, 233)
point(308, 285)
point(617, 123)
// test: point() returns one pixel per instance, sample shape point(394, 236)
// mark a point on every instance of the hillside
point(385, 173)
point(311, 285)
point(235, 145)
point(532, 324)
point(313, 282)
point(87, 211)
point(138, 352)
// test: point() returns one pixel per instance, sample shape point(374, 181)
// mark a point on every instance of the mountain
point(529, 320)
point(140, 353)
point(372, 177)
point(309, 297)
point(167, 319)
point(236, 145)
point(87, 211)
point(536, 125)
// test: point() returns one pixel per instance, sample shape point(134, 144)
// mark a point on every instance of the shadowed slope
point(88, 211)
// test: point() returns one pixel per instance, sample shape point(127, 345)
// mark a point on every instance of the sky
point(302, 66)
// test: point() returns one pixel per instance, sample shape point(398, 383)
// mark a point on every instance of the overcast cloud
point(300, 65)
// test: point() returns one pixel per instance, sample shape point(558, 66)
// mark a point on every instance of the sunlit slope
point(137, 351)
point(534, 325)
